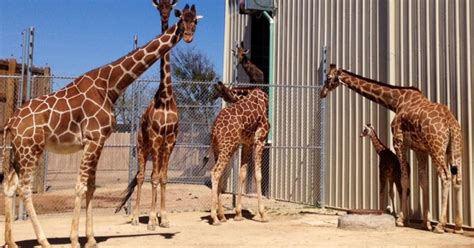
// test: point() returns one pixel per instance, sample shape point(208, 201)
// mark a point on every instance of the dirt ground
point(289, 226)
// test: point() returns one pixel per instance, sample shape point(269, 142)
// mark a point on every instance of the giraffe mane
point(382, 84)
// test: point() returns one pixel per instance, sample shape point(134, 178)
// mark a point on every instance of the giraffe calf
point(389, 168)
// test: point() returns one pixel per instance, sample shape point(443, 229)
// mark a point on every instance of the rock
point(382, 222)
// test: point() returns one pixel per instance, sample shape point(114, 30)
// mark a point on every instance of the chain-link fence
point(291, 163)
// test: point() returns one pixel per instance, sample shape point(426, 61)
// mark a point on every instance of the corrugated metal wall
point(427, 44)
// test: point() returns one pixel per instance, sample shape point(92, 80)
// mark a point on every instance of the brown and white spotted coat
point(426, 127)
point(389, 168)
point(245, 123)
point(77, 117)
point(157, 135)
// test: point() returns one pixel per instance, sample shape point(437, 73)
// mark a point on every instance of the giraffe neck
point(387, 95)
point(251, 69)
point(112, 79)
point(378, 145)
point(165, 92)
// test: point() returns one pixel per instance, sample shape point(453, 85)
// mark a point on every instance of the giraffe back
point(240, 121)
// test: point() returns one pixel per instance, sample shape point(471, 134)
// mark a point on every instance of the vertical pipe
point(270, 75)
point(31, 36)
point(23, 64)
point(322, 126)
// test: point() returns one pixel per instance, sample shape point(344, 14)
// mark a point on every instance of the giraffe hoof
point(238, 218)
point(222, 219)
point(439, 229)
point(91, 244)
point(13, 245)
point(399, 222)
point(165, 224)
point(216, 223)
point(458, 230)
point(134, 222)
point(151, 227)
point(75, 244)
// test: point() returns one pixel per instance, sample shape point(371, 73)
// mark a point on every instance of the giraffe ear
point(199, 17)
point(177, 13)
point(246, 51)
point(155, 3)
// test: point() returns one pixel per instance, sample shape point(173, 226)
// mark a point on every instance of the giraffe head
point(368, 129)
point(332, 81)
point(164, 7)
point(187, 22)
point(240, 52)
point(223, 92)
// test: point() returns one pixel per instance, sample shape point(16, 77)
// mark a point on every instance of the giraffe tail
point(454, 148)
point(7, 165)
point(127, 193)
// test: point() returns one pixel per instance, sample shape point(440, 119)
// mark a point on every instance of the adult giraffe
point(427, 128)
point(157, 135)
point(243, 122)
point(77, 117)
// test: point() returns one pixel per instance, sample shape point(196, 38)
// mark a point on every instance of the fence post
point(133, 130)
point(322, 141)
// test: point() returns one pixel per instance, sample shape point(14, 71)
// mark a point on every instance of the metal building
point(426, 44)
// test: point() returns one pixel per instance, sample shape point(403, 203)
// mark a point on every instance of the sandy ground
point(288, 227)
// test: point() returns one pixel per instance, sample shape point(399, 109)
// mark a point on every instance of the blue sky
point(74, 36)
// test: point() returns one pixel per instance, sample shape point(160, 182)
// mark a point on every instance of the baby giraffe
point(389, 168)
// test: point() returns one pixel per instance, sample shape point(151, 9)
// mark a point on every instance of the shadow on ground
point(83, 240)
point(245, 213)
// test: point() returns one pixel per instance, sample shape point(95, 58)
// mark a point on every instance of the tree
point(193, 77)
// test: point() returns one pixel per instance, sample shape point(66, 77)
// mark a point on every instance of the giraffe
point(243, 122)
point(389, 168)
point(77, 117)
point(157, 135)
point(428, 128)
point(256, 75)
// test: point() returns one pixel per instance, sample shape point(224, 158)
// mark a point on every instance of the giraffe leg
point(391, 206)
point(89, 195)
point(10, 184)
point(245, 157)
point(152, 217)
point(219, 167)
point(455, 159)
point(220, 189)
point(259, 146)
point(142, 155)
point(445, 175)
point(163, 180)
point(92, 151)
point(422, 159)
point(29, 164)
point(401, 151)
point(382, 190)
point(458, 221)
